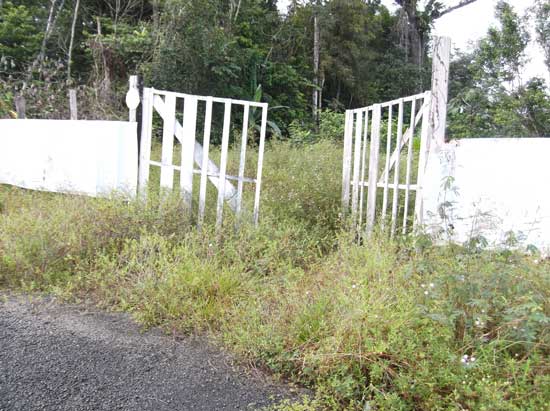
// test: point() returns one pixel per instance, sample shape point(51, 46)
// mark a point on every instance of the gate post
point(433, 133)
point(145, 141)
point(440, 85)
point(132, 98)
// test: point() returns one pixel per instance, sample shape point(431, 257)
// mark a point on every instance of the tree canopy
point(365, 54)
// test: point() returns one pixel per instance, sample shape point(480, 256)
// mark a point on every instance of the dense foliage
point(228, 48)
point(489, 96)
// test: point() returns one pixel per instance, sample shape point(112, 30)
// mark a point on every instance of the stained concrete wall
point(490, 187)
point(83, 157)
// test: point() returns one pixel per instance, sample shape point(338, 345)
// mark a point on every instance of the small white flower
point(432, 285)
point(426, 292)
point(536, 261)
point(467, 360)
point(422, 285)
point(354, 286)
point(210, 245)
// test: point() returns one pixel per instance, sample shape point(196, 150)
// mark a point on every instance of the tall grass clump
point(44, 236)
point(382, 325)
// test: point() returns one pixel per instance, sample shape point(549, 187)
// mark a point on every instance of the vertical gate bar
point(205, 159)
point(145, 143)
point(373, 168)
point(363, 166)
point(346, 171)
point(356, 166)
point(167, 169)
point(188, 149)
point(397, 167)
point(424, 150)
point(387, 173)
point(263, 130)
point(242, 161)
point(223, 163)
point(409, 166)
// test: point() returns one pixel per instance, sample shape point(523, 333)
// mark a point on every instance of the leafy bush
point(331, 128)
point(331, 125)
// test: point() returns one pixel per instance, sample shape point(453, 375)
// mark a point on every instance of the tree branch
point(453, 8)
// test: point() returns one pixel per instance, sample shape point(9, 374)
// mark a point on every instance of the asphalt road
point(59, 357)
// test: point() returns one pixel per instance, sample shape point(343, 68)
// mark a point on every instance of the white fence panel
point(81, 157)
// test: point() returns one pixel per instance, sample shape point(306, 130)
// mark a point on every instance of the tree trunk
point(316, 57)
point(42, 53)
point(50, 24)
point(69, 56)
point(321, 86)
point(412, 35)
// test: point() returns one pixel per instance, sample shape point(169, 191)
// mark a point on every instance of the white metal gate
point(394, 172)
point(390, 170)
point(164, 103)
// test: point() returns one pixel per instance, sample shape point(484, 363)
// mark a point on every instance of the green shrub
point(331, 125)
point(331, 128)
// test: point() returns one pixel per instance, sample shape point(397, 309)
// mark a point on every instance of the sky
point(471, 22)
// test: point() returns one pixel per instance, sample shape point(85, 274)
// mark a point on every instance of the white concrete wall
point(497, 186)
point(81, 157)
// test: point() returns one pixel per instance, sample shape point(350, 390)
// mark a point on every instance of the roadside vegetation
point(377, 325)
point(382, 325)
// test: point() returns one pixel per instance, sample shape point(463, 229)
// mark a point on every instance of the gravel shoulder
point(61, 357)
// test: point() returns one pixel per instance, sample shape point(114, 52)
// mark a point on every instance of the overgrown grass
point(385, 325)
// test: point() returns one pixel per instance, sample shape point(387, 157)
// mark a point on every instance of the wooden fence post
point(73, 105)
point(440, 86)
point(20, 107)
